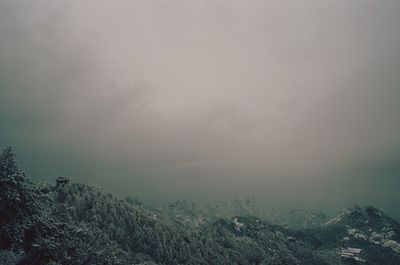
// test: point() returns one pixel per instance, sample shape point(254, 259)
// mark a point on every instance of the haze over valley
point(285, 111)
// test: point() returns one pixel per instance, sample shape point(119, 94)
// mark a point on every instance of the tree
point(8, 163)
point(14, 190)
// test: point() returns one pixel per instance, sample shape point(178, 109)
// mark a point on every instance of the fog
point(293, 102)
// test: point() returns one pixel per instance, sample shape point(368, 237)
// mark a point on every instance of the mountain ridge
point(70, 223)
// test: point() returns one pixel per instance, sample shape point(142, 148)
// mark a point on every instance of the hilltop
point(71, 223)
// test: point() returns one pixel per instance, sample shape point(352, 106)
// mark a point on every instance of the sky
point(293, 102)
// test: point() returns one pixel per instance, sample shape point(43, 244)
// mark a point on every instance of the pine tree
point(8, 163)
point(14, 194)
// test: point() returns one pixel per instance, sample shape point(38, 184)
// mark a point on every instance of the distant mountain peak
point(71, 223)
point(358, 213)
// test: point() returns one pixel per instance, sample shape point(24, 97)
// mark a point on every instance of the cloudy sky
point(290, 101)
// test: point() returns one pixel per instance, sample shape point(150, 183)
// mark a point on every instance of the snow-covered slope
point(78, 224)
point(360, 235)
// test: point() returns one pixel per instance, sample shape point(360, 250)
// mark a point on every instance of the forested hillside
point(69, 223)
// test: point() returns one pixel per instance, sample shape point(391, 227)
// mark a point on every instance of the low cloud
point(177, 98)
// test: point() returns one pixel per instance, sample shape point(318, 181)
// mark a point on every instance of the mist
point(295, 103)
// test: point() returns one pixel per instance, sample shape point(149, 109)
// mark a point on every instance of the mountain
point(358, 235)
point(70, 223)
point(194, 214)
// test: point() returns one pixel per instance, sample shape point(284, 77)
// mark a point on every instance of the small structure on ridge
point(61, 181)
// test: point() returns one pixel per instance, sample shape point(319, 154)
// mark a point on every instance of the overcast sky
point(285, 100)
